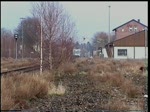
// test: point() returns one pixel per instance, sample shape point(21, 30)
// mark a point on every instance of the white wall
point(95, 53)
point(105, 53)
point(130, 52)
point(139, 52)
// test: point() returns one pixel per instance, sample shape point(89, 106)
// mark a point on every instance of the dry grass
point(30, 87)
point(18, 89)
point(105, 74)
point(141, 104)
point(130, 89)
point(6, 89)
point(116, 105)
point(137, 104)
point(113, 74)
point(26, 87)
point(117, 80)
point(67, 68)
point(106, 81)
point(130, 66)
point(59, 90)
point(114, 79)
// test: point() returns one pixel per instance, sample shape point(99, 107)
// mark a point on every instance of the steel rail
point(23, 69)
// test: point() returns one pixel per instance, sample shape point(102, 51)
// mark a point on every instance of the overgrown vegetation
point(114, 84)
point(25, 87)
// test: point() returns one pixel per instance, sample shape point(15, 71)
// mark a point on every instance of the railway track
point(21, 70)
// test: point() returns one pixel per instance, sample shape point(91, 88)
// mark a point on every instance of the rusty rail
point(23, 69)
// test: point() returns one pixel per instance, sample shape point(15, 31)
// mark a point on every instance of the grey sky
point(90, 17)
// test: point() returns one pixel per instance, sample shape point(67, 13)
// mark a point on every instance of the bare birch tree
point(56, 27)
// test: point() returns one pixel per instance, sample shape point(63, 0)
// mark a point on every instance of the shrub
point(67, 68)
point(6, 89)
point(19, 88)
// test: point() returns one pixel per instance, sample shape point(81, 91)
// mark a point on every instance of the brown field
point(84, 85)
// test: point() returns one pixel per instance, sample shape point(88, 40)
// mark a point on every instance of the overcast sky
point(90, 17)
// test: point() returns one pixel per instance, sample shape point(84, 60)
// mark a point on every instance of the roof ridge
point(129, 22)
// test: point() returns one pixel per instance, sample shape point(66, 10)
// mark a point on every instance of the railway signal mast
point(16, 37)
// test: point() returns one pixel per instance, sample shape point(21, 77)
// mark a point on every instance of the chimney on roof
point(139, 20)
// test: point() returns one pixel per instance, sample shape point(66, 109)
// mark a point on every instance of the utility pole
point(145, 43)
point(41, 59)
point(109, 25)
point(109, 32)
point(134, 43)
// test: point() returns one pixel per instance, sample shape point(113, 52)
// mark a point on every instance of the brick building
point(130, 47)
point(129, 28)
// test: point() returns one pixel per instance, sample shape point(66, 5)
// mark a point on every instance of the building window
point(130, 29)
point(122, 52)
point(135, 29)
point(122, 30)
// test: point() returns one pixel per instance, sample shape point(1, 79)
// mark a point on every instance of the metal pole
point(83, 47)
point(109, 25)
point(134, 43)
point(41, 50)
point(134, 47)
point(16, 49)
point(22, 38)
point(134, 50)
point(145, 43)
point(109, 33)
point(146, 96)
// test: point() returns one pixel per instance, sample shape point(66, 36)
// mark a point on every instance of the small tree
point(58, 30)
point(101, 39)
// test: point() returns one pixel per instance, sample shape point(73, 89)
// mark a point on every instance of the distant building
point(36, 48)
point(129, 28)
point(77, 52)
